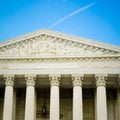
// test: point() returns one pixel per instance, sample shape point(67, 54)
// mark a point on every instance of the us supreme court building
point(48, 75)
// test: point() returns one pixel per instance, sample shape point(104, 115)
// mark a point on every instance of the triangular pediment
point(50, 43)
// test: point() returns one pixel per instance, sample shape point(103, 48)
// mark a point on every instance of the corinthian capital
point(101, 79)
point(54, 79)
point(9, 79)
point(30, 79)
point(77, 79)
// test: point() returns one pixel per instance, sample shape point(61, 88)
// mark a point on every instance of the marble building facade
point(47, 75)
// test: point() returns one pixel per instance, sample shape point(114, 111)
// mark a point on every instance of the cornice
point(73, 55)
point(60, 58)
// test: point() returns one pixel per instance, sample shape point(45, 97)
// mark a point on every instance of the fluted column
point(54, 96)
point(101, 97)
point(77, 97)
point(8, 99)
point(30, 97)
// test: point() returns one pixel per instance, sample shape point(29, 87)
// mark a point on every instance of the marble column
point(30, 97)
point(77, 97)
point(8, 99)
point(101, 97)
point(54, 97)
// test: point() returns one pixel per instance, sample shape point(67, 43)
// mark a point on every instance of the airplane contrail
point(71, 14)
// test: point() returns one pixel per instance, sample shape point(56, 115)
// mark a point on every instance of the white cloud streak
point(71, 14)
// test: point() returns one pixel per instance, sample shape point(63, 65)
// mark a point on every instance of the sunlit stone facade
point(47, 75)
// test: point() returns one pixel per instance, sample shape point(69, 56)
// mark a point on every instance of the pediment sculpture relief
point(49, 46)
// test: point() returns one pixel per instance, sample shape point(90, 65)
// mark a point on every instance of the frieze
point(84, 63)
point(4, 66)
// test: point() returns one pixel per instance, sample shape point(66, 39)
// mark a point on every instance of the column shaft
point(30, 103)
point(8, 103)
point(77, 103)
point(101, 103)
point(77, 97)
point(101, 97)
point(54, 97)
point(8, 99)
point(54, 103)
point(30, 109)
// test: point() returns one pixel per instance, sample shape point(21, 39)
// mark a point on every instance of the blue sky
point(100, 22)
